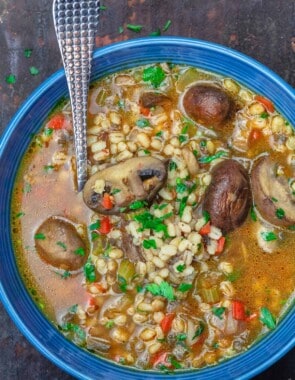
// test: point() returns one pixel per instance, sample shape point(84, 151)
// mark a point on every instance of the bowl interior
point(15, 140)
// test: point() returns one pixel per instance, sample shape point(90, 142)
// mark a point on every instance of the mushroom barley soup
point(179, 252)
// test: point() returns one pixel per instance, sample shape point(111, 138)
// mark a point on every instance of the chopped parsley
point(120, 29)
point(142, 123)
point(122, 283)
point(79, 251)
point(62, 245)
point(134, 28)
point(218, 311)
point(206, 216)
point(267, 318)
point(75, 329)
point(121, 103)
point(110, 324)
point(20, 214)
point(154, 74)
point(164, 290)
point(280, 213)
point(172, 165)
point(48, 168)
point(151, 243)
point(94, 226)
point(253, 214)
point(48, 131)
point(181, 337)
point(264, 115)
point(40, 236)
point(102, 8)
point(34, 70)
point(180, 268)
point(184, 287)
point(66, 274)
point(10, 79)
point(208, 159)
point(89, 271)
point(181, 187)
point(167, 25)
point(203, 143)
point(115, 191)
point(137, 205)
point(174, 362)
point(199, 330)
point(182, 138)
point(268, 236)
point(150, 222)
point(182, 205)
point(155, 33)
point(159, 134)
point(232, 277)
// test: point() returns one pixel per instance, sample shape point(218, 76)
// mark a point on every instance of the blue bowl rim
point(288, 320)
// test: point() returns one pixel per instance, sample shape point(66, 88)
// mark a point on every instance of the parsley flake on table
point(28, 53)
point(134, 28)
point(10, 79)
point(167, 25)
point(34, 70)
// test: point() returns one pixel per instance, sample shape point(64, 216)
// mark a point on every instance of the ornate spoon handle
point(75, 24)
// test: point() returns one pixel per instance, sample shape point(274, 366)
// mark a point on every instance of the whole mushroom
point(272, 194)
point(207, 104)
point(59, 244)
point(136, 179)
point(228, 197)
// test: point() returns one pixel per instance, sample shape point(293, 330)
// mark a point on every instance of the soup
point(179, 251)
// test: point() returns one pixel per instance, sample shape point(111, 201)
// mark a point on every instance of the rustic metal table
point(263, 29)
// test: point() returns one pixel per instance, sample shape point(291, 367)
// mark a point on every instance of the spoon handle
point(76, 23)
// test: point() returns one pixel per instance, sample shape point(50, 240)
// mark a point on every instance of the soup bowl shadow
point(15, 140)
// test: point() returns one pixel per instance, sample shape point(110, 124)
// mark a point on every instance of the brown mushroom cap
point(152, 99)
point(272, 193)
point(59, 243)
point(207, 104)
point(138, 178)
point(228, 197)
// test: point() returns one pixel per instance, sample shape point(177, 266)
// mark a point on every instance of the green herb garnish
point(172, 165)
point(122, 283)
point(184, 287)
point(62, 245)
point(102, 8)
point(182, 205)
point(48, 168)
point(27, 188)
point(134, 28)
point(28, 53)
point(180, 186)
point(180, 268)
point(74, 328)
point(40, 236)
point(280, 213)
point(208, 159)
point(66, 274)
point(174, 362)
point(267, 318)
point(20, 214)
point(89, 271)
point(206, 216)
point(48, 132)
point(181, 337)
point(268, 236)
point(94, 226)
point(182, 138)
point(142, 123)
point(151, 243)
point(218, 311)
point(120, 29)
point(34, 70)
point(10, 79)
point(199, 330)
point(79, 251)
point(137, 205)
point(253, 214)
point(155, 33)
point(264, 115)
point(167, 25)
point(110, 324)
point(154, 74)
point(232, 277)
point(121, 104)
point(164, 290)
point(148, 221)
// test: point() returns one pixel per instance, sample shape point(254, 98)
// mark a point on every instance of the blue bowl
point(14, 143)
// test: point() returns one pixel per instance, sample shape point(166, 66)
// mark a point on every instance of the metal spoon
point(75, 24)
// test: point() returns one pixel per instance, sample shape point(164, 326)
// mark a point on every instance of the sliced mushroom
point(138, 178)
point(271, 193)
point(228, 197)
point(59, 244)
point(207, 104)
point(153, 99)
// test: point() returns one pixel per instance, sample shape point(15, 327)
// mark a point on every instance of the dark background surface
point(263, 29)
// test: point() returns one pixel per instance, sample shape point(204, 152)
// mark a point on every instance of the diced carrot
point(239, 310)
point(205, 230)
point(166, 322)
point(107, 201)
point(100, 287)
point(220, 245)
point(255, 135)
point(105, 225)
point(56, 122)
point(266, 102)
point(160, 358)
point(144, 111)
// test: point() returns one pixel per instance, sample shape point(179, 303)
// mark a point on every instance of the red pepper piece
point(220, 245)
point(105, 225)
point(266, 102)
point(205, 230)
point(239, 310)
